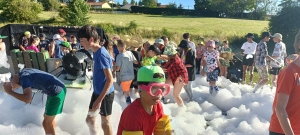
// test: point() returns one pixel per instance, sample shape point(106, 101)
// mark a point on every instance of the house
point(99, 4)
point(127, 6)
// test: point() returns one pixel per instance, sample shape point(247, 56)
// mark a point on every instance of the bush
point(50, 5)
point(75, 13)
point(20, 10)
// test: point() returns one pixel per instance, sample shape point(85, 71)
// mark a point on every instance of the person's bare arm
point(25, 97)
point(22, 48)
point(282, 100)
point(116, 68)
point(107, 85)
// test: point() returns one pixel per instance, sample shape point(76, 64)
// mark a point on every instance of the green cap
point(147, 74)
point(65, 44)
point(3, 36)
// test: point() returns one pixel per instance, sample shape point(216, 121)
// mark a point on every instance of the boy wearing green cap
point(142, 114)
point(24, 42)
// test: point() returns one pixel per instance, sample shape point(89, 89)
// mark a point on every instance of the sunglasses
point(155, 89)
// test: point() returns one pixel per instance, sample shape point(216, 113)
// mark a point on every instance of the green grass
point(220, 27)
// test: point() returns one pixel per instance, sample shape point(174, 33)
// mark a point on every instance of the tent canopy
point(16, 31)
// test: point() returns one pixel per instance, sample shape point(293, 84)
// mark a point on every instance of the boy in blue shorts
point(28, 79)
point(103, 95)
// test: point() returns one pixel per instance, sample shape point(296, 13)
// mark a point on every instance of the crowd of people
point(151, 69)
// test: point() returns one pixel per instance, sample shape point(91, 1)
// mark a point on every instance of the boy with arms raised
point(103, 95)
point(142, 115)
point(29, 78)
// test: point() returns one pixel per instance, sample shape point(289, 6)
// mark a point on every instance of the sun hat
point(56, 36)
point(147, 74)
point(277, 35)
point(159, 41)
point(211, 43)
point(26, 33)
point(250, 35)
point(2, 36)
point(170, 50)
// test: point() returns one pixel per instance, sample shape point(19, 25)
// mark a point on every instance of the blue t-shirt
point(37, 79)
point(58, 52)
point(102, 60)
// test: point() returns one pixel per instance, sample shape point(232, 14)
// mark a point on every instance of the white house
point(99, 4)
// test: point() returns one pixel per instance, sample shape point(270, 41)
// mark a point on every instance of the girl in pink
point(211, 61)
point(34, 44)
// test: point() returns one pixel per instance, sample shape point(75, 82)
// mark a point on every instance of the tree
point(76, 13)
point(150, 3)
point(172, 5)
point(180, 6)
point(140, 3)
point(50, 5)
point(286, 23)
point(136, 3)
point(125, 2)
point(232, 7)
point(202, 4)
point(132, 2)
point(13, 12)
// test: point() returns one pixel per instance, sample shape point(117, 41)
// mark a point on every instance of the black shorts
point(273, 133)
point(275, 71)
point(106, 105)
point(248, 62)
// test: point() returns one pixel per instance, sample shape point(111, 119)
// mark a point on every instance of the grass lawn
point(200, 25)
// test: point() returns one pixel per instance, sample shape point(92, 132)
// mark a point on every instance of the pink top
point(33, 48)
point(199, 52)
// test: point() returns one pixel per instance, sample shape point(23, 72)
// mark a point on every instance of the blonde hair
point(297, 43)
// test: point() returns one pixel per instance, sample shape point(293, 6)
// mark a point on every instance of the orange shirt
point(288, 83)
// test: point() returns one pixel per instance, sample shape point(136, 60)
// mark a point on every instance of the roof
point(96, 3)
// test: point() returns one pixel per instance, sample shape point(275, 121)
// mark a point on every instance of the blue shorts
point(212, 76)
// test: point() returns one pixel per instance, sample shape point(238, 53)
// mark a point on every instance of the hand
point(7, 87)
point(96, 105)
point(165, 70)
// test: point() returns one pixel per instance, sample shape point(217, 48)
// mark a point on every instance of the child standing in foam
point(211, 60)
point(35, 43)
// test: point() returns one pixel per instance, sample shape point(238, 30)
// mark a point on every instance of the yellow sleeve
point(132, 133)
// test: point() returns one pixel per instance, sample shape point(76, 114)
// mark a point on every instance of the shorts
point(55, 104)
point(106, 104)
point(125, 85)
point(262, 72)
point(275, 71)
point(212, 76)
point(248, 62)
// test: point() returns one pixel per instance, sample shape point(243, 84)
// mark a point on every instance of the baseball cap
point(183, 44)
point(159, 41)
point(61, 31)
point(155, 49)
point(266, 34)
point(147, 74)
point(42, 35)
point(277, 35)
point(250, 35)
point(56, 36)
point(211, 43)
point(65, 44)
point(26, 33)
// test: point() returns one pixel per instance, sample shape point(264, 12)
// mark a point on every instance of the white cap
point(56, 36)
point(277, 35)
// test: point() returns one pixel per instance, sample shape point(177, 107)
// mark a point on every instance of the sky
point(234, 110)
point(187, 4)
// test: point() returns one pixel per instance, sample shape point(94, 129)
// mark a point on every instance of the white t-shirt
point(249, 48)
point(192, 46)
point(211, 59)
point(280, 51)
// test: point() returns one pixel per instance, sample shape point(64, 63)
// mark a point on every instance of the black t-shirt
point(44, 44)
point(138, 57)
point(24, 41)
point(76, 46)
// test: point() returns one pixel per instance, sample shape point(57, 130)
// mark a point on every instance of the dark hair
point(72, 36)
point(88, 32)
point(186, 35)
point(164, 38)
point(155, 49)
point(226, 41)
